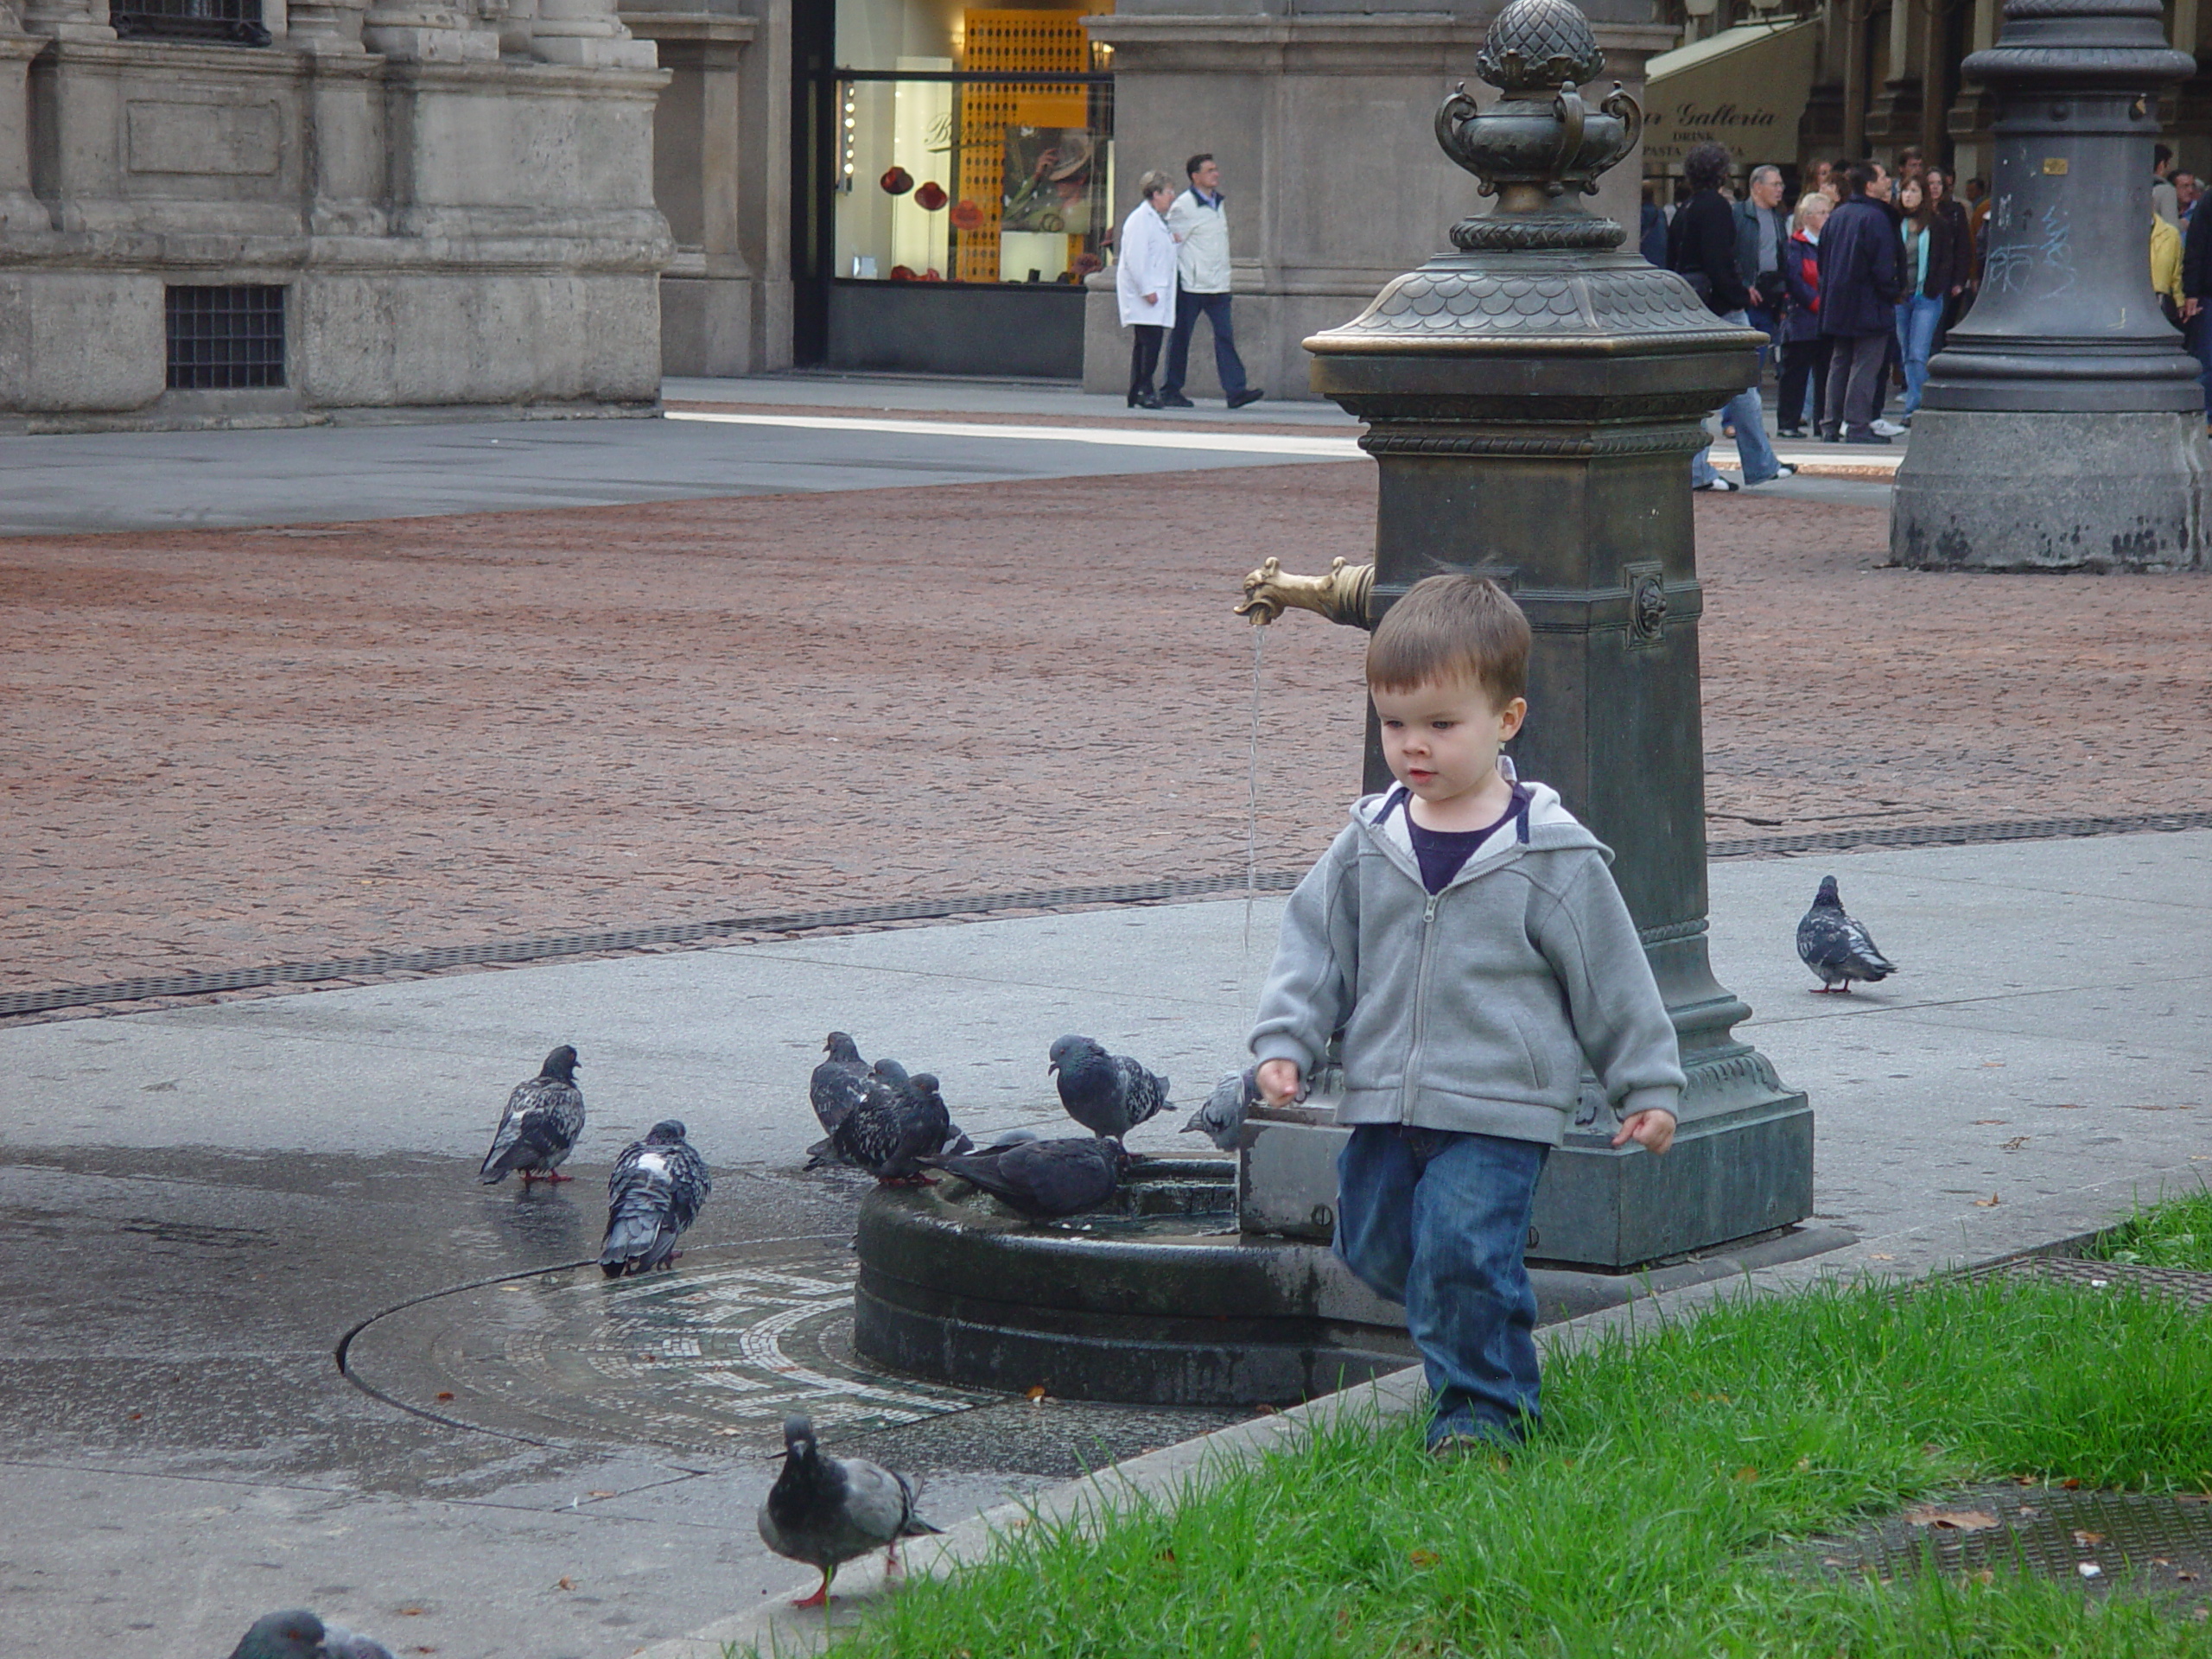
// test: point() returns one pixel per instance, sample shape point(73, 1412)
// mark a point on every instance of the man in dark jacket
point(1762, 240)
point(2197, 295)
point(1860, 290)
point(1702, 247)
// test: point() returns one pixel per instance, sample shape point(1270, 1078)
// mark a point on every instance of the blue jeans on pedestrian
point(1918, 319)
point(1227, 364)
point(1742, 412)
point(1438, 1221)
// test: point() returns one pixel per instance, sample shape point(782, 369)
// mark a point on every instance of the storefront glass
point(988, 160)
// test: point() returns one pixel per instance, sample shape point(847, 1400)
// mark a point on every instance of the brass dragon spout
point(1341, 595)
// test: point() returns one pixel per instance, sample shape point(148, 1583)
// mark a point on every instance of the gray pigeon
point(839, 1082)
point(300, 1635)
point(1834, 947)
point(1044, 1179)
point(653, 1193)
point(895, 1126)
point(1222, 1115)
point(1108, 1094)
point(539, 1128)
point(825, 1511)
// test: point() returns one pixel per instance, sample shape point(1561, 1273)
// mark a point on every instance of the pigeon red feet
point(555, 1175)
point(819, 1599)
point(891, 1567)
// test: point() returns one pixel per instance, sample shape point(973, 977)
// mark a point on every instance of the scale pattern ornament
point(1445, 300)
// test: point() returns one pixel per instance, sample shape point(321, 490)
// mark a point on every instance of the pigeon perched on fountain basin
point(300, 1635)
point(652, 1195)
point(1837, 949)
point(538, 1130)
point(1222, 1115)
point(1108, 1094)
point(1042, 1180)
point(826, 1511)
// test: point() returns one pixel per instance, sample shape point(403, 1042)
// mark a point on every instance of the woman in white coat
point(1144, 281)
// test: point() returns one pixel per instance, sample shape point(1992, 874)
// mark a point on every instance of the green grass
point(2176, 1233)
point(1650, 1514)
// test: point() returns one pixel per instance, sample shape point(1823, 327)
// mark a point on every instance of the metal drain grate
point(928, 910)
point(2191, 1289)
point(225, 339)
point(2139, 1541)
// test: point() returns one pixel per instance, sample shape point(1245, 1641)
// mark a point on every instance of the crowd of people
point(1857, 285)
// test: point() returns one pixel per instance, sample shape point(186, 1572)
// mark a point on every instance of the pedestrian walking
point(1144, 282)
point(1761, 232)
point(1200, 223)
point(1702, 247)
point(1860, 290)
point(1464, 938)
point(1804, 353)
point(1930, 263)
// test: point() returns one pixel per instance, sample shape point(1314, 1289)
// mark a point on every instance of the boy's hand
point(1653, 1130)
point(1278, 1081)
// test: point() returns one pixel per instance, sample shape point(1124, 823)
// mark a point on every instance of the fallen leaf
point(602, 1494)
point(445, 1394)
point(1881, 1258)
point(1989, 1203)
point(1985, 1122)
point(1036, 1393)
point(2013, 1144)
point(2189, 1576)
point(729, 1431)
point(1953, 1520)
point(1803, 1465)
point(2160, 1560)
point(1984, 1577)
point(138, 1416)
point(566, 1584)
point(2028, 1511)
point(1995, 1062)
point(2072, 1483)
point(410, 1612)
point(1424, 1558)
point(2087, 1540)
point(1747, 1474)
point(1167, 1555)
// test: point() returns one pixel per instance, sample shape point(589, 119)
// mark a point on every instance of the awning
point(1746, 87)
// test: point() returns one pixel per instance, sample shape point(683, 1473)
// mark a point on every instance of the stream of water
point(1252, 793)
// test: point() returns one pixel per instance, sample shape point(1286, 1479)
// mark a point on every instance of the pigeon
point(1222, 1115)
point(539, 1128)
point(1108, 1094)
point(653, 1194)
point(1044, 1179)
point(825, 1511)
point(300, 1635)
point(1836, 948)
point(895, 1126)
point(839, 1082)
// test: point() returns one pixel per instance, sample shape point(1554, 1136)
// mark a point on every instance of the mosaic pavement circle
point(710, 1356)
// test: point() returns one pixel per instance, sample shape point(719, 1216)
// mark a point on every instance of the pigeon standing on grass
point(1108, 1094)
point(1836, 948)
point(1043, 1178)
point(826, 1511)
point(1222, 1115)
point(896, 1125)
point(539, 1129)
point(300, 1635)
point(653, 1194)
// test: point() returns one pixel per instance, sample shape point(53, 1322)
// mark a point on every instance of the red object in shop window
point(897, 182)
point(931, 197)
point(903, 274)
point(967, 216)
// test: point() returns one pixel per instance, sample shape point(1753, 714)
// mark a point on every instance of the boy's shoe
point(1175, 400)
point(1460, 1437)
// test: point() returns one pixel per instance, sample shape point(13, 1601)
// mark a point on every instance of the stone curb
point(2046, 1225)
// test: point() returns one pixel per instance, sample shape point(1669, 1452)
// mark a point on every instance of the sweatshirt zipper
point(1420, 1011)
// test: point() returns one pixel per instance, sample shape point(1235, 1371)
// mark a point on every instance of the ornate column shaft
point(1533, 400)
point(2065, 385)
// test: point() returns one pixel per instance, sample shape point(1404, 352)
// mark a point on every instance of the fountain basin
point(1156, 1299)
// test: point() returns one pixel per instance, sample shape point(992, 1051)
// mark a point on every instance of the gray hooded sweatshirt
point(1472, 1009)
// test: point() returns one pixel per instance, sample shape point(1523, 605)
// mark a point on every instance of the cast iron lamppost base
point(2063, 428)
point(1533, 400)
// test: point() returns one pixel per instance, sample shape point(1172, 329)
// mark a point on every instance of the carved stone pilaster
point(423, 31)
point(325, 27)
point(67, 20)
point(587, 33)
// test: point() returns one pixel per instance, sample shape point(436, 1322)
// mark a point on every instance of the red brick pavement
point(223, 749)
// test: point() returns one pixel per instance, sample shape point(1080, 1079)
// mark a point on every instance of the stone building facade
point(219, 210)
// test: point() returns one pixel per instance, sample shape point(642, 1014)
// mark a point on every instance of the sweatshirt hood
point(1545, 825)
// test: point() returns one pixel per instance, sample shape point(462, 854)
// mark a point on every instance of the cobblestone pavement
point(220, 749)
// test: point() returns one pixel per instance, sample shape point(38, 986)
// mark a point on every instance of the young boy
point(1465, 936)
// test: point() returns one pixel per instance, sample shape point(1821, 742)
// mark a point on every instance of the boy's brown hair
point(1452, 627)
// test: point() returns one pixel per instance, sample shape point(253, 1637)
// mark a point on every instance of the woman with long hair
point(1943, 194)
point(1928, 262)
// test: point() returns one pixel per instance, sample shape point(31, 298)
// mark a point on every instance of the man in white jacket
point(1200, 223)
point(1144, 282)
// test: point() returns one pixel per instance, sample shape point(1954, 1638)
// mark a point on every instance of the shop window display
point(989, 162)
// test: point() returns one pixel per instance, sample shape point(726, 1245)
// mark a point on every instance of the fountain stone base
point(1156, 1299)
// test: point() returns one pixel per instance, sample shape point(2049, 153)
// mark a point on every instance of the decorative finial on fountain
point(1540, 148)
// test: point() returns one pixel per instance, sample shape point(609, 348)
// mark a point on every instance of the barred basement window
point(221, 338)
point(235, 23)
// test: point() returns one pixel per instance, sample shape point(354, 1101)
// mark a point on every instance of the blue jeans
point(1743, 413)
point(1440, 1222)
point(1226, 363)
point(1918, 318)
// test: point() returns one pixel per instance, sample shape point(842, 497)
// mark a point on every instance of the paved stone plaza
point(934, 666)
